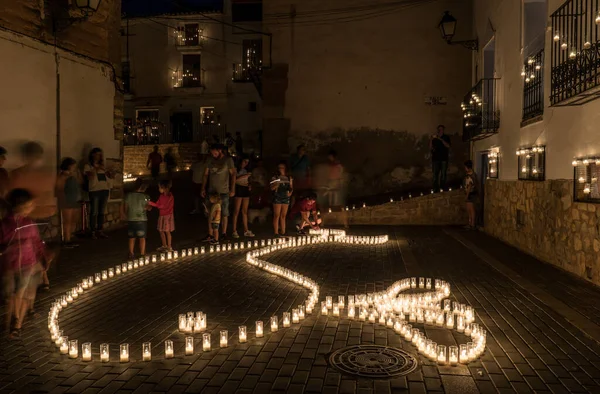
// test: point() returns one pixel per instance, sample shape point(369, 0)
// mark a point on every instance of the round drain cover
point(373, 361)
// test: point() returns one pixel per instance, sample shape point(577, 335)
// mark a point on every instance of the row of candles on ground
point(364, 205)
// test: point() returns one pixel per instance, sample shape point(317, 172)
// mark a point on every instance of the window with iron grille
point(191, 71)
point(533, 86)
point(575, 52)
point(532, 163)
point(586, 173)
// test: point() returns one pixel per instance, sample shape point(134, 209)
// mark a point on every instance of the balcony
point(188, 79)
point(575, 53)
point(533, 87)
point(189, 38)
point(153, 133)
point(481, 117)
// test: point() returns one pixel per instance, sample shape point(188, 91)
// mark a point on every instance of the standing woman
point(68, 195)
point(98, 179)
point(242, 197)
point(282, 187)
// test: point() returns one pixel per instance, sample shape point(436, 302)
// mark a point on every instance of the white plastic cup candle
point(182, 322)
point(341, 302)
point(73, 348)
point(242, 334)
point(329, 302)
point(323, 307)
point(286, 319)
point(274, 324)
point(196, 251)
point(146, 351)
point(104, 352)
point(118, 270)
point(460, 323)
point(449, 320)
point(441, 354)
point(206, 342)
point(259, 329)
point(189, 346)
point(301, 312)
point(86, 351)
point(336, 310)
point(351, 312)
point(295, 316)
point(124, 353)
point(169, 348)
point(463, 354)
point(111, 272)
point(64, 345)
point(223, 338)
point(453, 355)
point(98, 277)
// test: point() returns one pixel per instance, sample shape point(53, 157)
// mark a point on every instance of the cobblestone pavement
point(531, 346)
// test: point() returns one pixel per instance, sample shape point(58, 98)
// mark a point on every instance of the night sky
point(141, 8)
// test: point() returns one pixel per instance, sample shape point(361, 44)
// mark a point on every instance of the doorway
point(482, 167)
point(182, 126)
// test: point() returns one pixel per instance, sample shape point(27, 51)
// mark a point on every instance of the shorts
point(166, 223)
point(473, 198)
point(214, 225)
point(242, 191)
point(224, 204)
point(22, 285)
point(137, 229)
point(281, 199)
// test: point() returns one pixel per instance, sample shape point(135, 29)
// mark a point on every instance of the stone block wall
point(446, 208)
point(540, 218)
point(135, 157)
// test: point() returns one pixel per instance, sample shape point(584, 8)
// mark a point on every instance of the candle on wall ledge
point(104, 352)
point(223, 338)
point(259, 329)
point(146, 351)
point(206, 342)
point(242, 334)
point(286, 319)
point(73, 348)
point(274, 324)
point(124, 353)
point(86, 351)
point(189, 346)
point(64, 345)
point(169, 349)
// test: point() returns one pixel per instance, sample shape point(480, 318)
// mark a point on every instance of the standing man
point(153, 163)
point(219, 177)
point(439, 144)
point(300, 166)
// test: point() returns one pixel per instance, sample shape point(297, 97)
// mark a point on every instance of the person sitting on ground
point(302, 209)
point(22, 251)
point(134, 210)
point(470, 184)
point(214, 217)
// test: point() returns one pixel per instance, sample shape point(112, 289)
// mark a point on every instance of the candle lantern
point(408, 332)
point(163, 257)
point(259, 329)
point(73, 348)
point(413, 283)
point(111, 272)
point(154, 258)
point(206, 342)
point(190, 252)
point(415, 335)
point(196, 251)
point(118, 270)
point(329, 302)
point(104, 352)
point(169, 255)
point(301, 312)
point(228, 247)
point(169, 350)
point(146, 351)
point(441, 354)
point(433, 355)
point(421, 283)
point(211, 249)
point(341, 302)
point(218, 248)
point(350, 300)
point(124, 353)
point(64, 345)
point(242, 334)
point(274, 324)
point(428, 283)
point(90, 281)
point(295, 316)
point(323, 307)
point(463, 354)
point(449, 320)
point(57, 337)
point(447, 304)
point(136, 265)
point(286, 319)
point(468, 329)
point(471, 351)
point(147, 260)
point(460, 323)
point(351, 312)
point(183, 253)
point(336, 310)
point(74, 293)
point(189, 346)
point(223, 338)
point(97, 277)
point(453, 355)
point(235, 246)
point(398, 326)
point(86, 351)
point(84, 284)
point(130, 265)
point(182, 322)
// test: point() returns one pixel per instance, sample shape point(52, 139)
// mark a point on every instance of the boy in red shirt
point(303, 208)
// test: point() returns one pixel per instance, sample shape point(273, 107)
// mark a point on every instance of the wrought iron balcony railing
point(152, 133)
point(533, 86)
point(481, 117)
point(189, 37)
point(575, 53)
point(188, 78)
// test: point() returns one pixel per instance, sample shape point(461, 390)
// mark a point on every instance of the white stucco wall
point(28, 101)
point(567, 132)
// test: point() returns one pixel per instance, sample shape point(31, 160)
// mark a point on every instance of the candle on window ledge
point(104, 352)
point(206, 342)
point(223, 338)
point(64, 345)
point(124, 353)
point(242, 334)
point(259, 329)
point(73, 348)
point(146, 351)
point(189, 346)
point(274, 324)
point(86, 351)
point(295, 316)
point(441, 354)
point(286, 319)
point(169, 349)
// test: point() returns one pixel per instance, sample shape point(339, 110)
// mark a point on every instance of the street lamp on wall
point(447, 27)
point(77, 11)
point(88, 7)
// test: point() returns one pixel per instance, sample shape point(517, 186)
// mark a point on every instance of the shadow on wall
point(382, 161)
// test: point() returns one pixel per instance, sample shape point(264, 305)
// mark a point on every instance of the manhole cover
point(373, 361)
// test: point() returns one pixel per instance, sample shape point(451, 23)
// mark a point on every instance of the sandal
point(15, 333)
